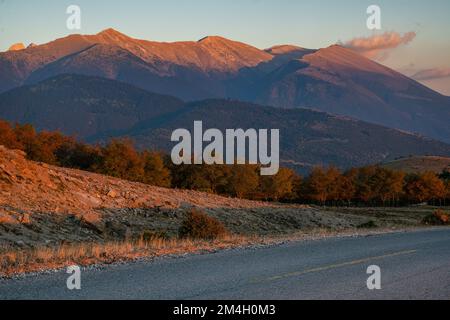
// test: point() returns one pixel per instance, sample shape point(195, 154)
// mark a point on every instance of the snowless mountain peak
point(110, 31)
point(283, 49)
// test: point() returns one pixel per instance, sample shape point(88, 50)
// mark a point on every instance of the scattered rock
point(112, 194)
point(20, 243)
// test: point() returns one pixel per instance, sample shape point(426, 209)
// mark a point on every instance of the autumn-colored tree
point(77, 155)
point(279, 186)
point(316, 186)
point(329, 186)
point(155, 172)
point(387, 185)
point(120, 159)
point(26, 136)
point(46, 146)
point(218, 176)
point(370, 185)
point(437, 188)
point(191, 177)
point(424, 187)
point(365, 184)
point(238, 180)
point(8, 137)
point(297, 188)
point(334, 188)
point(345, 189)
point(243, 181)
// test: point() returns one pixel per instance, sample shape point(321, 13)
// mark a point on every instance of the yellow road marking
point(334, 266)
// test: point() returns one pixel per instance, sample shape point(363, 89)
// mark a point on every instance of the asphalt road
point(414, 265)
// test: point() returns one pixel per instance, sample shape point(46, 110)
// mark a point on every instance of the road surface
point(414, 265)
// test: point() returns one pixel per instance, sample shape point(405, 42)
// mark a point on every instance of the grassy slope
point(420, 164)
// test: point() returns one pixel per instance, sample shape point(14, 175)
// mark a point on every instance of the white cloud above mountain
point(378, 47)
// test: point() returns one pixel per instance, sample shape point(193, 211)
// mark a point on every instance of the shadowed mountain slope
point(83, 106)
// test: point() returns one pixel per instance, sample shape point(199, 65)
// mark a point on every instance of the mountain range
point(96, 109)
point(334, 79)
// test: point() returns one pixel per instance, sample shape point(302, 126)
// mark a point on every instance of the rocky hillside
point(37, 187)
point(41, 203)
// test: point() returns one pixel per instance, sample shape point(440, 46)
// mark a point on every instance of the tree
point(191, 177)
point(77, 155)
point(345, 188)
point(333, 185)
point(365, 184)
point(388, 184)
point(46, 146)
point(26, 136)
point(298, 189)
point(243, 181)
point(218, 176)
point(121, 160)
point(279, 186)
point(316, 186)
point(436, 186)
point(424, 187)
point(8, 137)
point(155, 172)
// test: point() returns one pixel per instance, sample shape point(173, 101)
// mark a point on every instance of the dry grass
point(15, 261)
point(419, 164)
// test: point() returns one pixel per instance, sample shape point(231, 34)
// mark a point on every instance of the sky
point(413, 38)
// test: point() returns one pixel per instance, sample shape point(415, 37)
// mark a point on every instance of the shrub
point(198, 225)
point(438, 218)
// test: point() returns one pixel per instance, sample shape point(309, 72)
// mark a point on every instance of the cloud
point(429, 74)
point(377, 47)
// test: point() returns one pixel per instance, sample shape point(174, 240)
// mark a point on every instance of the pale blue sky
point(261, 23)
